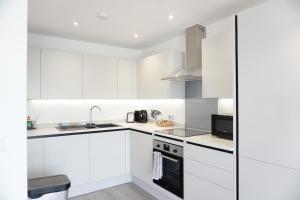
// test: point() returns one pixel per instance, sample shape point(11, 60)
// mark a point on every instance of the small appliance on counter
point(160, 121)
point(140, 116)
point(222, 126)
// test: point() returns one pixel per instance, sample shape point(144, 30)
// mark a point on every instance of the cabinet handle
point(172, 159)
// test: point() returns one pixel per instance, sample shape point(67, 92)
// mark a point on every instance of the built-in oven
point(172, 167)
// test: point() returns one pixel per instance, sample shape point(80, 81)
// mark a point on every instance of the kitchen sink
point(107, 125)
point(71, 128)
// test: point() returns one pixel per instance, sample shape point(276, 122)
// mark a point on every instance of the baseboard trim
point(99, 185)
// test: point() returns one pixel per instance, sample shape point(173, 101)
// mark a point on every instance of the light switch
point(2, 144)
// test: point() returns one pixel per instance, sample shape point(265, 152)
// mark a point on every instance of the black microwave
point(222, 126)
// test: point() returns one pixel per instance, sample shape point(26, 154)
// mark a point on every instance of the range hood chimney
point(193, 59)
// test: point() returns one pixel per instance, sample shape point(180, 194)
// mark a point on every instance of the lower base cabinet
point(107, 155)
point(83, 158)
point(67, 155)
point(208, 174)
point(141, 156)
point(200, 189)
point(261, 181)
point(35, 156)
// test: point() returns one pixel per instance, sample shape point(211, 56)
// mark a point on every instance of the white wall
point(54, 111)
point(225, 106)
point(13, 51)
point(49, 42)
point(178, 43)
point(174, 44)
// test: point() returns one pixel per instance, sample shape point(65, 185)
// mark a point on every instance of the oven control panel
point(168, 148)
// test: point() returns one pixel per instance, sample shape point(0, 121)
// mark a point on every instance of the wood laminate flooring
point(127, 191)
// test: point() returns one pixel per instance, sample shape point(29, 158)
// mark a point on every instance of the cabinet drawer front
point(211, 157)
point(196, 188)
point(209, 173)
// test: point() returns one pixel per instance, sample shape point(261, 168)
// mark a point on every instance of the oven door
point(172, 179)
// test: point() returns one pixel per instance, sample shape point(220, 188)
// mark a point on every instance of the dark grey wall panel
point(198, 110)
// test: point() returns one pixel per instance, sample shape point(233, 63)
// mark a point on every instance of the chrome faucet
point(91, 114)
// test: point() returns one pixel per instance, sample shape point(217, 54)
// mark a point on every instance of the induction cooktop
point(183, 132)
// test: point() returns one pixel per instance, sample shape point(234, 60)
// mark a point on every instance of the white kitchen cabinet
point(107, 155)
point(61, 75)
point(152, 69)
point(261, 181)
point(141, 156)
point(127, 75)
point(269, 84)
point(214, 174)
point(212, 157)
point(211, 171)
point(100, 77)
point(218, 62)
point(35, 158)
point(33, 73)
point(198, 188)
point(68, 155)
point(269, 101)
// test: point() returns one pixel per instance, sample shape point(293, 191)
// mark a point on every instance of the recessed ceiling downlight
point(170, 17)
point(75, 23)
point(102, 15)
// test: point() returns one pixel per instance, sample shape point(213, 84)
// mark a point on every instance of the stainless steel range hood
point(193, 65)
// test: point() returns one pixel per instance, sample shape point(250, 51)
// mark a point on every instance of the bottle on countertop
point(29, 123)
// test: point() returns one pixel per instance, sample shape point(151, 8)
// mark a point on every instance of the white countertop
point(206, 140)
point(211, 141)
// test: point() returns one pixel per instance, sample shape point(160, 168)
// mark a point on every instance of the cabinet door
point(99, 77)
point(107, 155)
point(218, 54)
point(141, 156)
point(269, 84)
point(67, 155)
point(126, 79)
point(261, 181)
point(197, 188)
point(34, 73)
point(61, 75)
point(35, 156)
point(152, 69)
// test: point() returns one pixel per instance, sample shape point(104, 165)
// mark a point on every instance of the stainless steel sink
point(107, 125)
point(71, 128)
point(85, 127)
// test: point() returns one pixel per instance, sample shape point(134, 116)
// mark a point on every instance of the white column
point(13, 58)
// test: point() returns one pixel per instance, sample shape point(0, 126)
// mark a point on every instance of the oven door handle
point(167, 157)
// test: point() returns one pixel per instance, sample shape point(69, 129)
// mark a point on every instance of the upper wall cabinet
point(218, 54)
point(61, 75)
point(100, 77)
point(150, 71)
point(127, 79)
point(34, 73)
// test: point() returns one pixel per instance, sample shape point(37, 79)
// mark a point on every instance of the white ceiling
point(147, 18)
